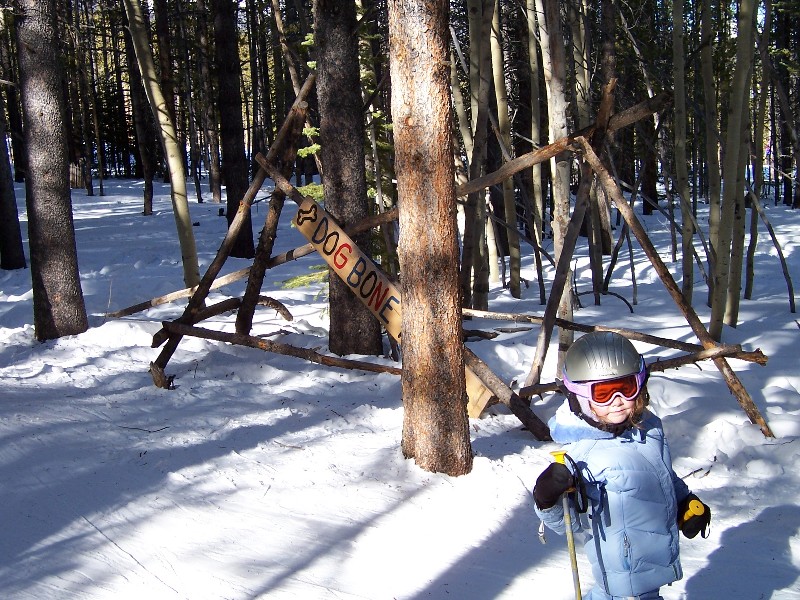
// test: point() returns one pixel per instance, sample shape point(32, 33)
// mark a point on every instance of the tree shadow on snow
point(753, 560)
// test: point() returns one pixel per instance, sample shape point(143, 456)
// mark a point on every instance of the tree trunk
point(234, 163)
point(555, 78)
point(353, 328)
point(143, 125)
point(12, 252)
point(535, 220)
point(738, 111)
point(474, 263)
point(681, 168)
point(435, 423)
point(711, 137)
point(169, 140)
point(758, 148)
point(209, 119)
point(504, 122)
point(58, 306)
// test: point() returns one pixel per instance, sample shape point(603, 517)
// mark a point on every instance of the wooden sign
point(368, 282)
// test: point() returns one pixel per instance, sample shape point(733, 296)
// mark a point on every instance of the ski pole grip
point(695, 508)
point(558, 456)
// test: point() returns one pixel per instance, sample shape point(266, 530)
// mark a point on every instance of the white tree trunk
point(169, 139)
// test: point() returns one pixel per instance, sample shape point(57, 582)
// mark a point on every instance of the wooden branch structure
point(617, 121)
point(734, 384)
point(570, 239)
point(282, 139)
point(656, 366)
point(280, 259)
point(479, 375)
point(251, 341)
point(731, 351)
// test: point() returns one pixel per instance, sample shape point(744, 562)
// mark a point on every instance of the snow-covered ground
point(261, 475)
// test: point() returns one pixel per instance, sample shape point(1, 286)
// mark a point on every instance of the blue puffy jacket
point(633, 496)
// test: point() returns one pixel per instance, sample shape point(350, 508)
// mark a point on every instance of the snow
point(261, 475)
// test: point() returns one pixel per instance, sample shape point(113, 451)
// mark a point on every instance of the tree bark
point(681, 167)
point(234, 163)
point(738, 111)
point(353, 329)
point(435, 423)
point(560, 165)
point(169, 140)
point(58, 306)
point(12, 252)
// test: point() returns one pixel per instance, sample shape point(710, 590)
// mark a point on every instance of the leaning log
point(750, 356)
point(251, 341)
point(734, 384)
point(280, 259)
point(658, 366)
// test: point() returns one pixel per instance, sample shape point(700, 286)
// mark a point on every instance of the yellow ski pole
point(558, 455)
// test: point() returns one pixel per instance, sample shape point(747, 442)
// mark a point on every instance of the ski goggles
point(603, 392)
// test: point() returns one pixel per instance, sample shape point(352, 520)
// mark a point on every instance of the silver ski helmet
point(599, 356)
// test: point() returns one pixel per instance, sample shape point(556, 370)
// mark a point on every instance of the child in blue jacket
point(621, 471)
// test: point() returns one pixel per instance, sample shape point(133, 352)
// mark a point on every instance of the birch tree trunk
point(681, 167)
point(479, 292)
point(535, 219)
point(758, 148)
point(504, 125)
point(169, 140)
point(737, 111)
point(712, 137)
point(555, 79)
point(435, 423)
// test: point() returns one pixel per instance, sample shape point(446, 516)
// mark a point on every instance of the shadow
point(490, 569)
point(753, 560)
point(82, 468)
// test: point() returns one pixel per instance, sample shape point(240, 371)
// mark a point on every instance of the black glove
point(551, 484)
point(693, 517)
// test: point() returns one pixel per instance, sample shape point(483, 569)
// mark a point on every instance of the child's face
point(618, 411)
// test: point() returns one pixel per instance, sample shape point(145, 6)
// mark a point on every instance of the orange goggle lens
point(603, 392)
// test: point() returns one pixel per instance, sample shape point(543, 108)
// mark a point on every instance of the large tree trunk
point(234, 163)
point(353, 328)
point(435, 423)
point(58, 307)
point(169, 140)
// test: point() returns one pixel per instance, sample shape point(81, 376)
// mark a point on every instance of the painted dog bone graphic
point(307, 214)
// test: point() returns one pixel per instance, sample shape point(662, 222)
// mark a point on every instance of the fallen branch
point(506, 395)
point(305, 250)
point(250, 341)
point(734, 383)
point(617, 121)
point(658, 366)
point(755, 356)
